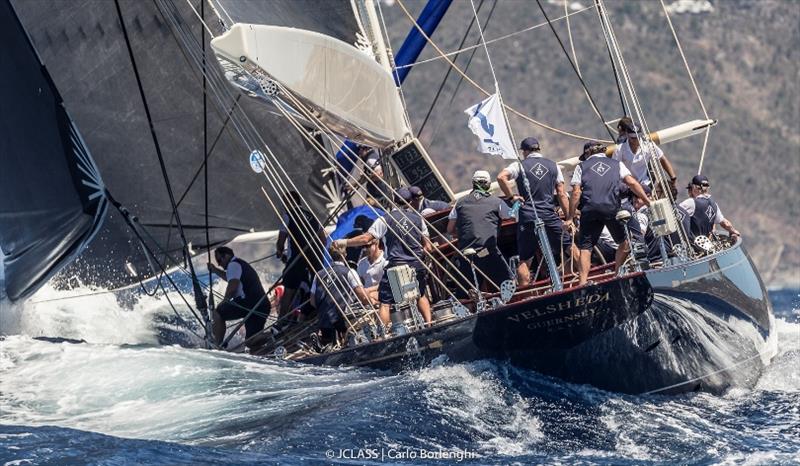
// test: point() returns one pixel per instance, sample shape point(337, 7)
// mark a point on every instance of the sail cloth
point(334, 18)
point(486, 121)
point(51, 194)
point(356, 97)
point(85, 51)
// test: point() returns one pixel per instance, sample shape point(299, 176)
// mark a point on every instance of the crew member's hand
point(340, 243)
point(213, 268)
point(673, 187)
point(568, 225)
point(735, 234)
point(517, 197)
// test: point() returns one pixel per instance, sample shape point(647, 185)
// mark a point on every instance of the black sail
point(85, 50)
point(51, 195)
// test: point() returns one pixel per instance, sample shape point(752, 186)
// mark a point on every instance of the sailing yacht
point(323, 73)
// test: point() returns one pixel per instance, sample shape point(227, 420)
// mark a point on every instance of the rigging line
point(449, 69)
point(611, 59)
point(327, 132)
point(202, 17)
point(131, 222)
point(636, 106)
point(577, 72)
point(354, 189)
point(703, 152)
point(390, 55)
point(311, 116)
point(491, 41)
point(683, 57)
point(460, 79)
point(160, 158)
point(210, 150)
point(694, 85)
point(575, 58)
point(210, 303)
point(246, 128)
point(484, 91)
point(187, 40)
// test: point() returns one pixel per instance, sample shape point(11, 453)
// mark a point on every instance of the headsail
point(83, 46)
point(354, 94)
point(52, 199)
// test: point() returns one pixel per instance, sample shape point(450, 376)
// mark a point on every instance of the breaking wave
point(128, 387)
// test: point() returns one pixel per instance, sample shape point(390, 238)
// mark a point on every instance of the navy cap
point(700, 180)
point(415, 191)
point(529, 144)
point(402, 194)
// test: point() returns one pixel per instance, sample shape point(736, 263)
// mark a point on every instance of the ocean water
point(134, 391)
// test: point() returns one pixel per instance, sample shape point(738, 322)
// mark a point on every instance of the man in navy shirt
point(596, 193)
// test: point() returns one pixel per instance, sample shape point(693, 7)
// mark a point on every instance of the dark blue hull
point(701, 326)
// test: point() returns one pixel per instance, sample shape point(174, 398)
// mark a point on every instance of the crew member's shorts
point(238, 309)
point(296, 273)
point(528, 242)
point(385, 290)
point(491, 263)
point(592, 226)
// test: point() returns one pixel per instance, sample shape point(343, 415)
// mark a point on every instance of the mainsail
point(85, 50)
point(52, 199)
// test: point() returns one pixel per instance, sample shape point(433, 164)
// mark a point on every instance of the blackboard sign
point(415, 166)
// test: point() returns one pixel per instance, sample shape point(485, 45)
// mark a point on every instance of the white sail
point(354, 95)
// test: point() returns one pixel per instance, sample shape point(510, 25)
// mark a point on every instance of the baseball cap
point(415, 191)
point(481, 176)
point(633, 131)
point(700, 180)
point(529, 143)
point(402, 194)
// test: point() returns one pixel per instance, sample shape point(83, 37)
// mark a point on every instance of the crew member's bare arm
point(665, 163)
point(726, 224)
point(573, 202)
point(636, 188)
point(427, 246)
point(360, 240)
point(504, 181)
point(230, 291)
point(563, 200)
point(362, 295)
point(218, 271)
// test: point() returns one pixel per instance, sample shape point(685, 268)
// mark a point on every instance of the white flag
point(487, 122)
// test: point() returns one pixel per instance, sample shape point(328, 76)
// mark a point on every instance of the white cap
point(481, 176)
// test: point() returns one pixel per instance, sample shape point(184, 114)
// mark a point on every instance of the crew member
point(370, 268)
point(703, 211)
point(636, 157)
point(306, 244)
point(244, 296)
point(334, 289)
point(406, 243)
point(423, 205)
point(595, 191)
point(545, 179)
point(475, 222)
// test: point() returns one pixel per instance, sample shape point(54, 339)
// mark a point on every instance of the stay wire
point(473, 50)
point(199, 297)
point(613, 62)
point(449, 70)
point(276, 180)
point(577, 73)
point(484, 91)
